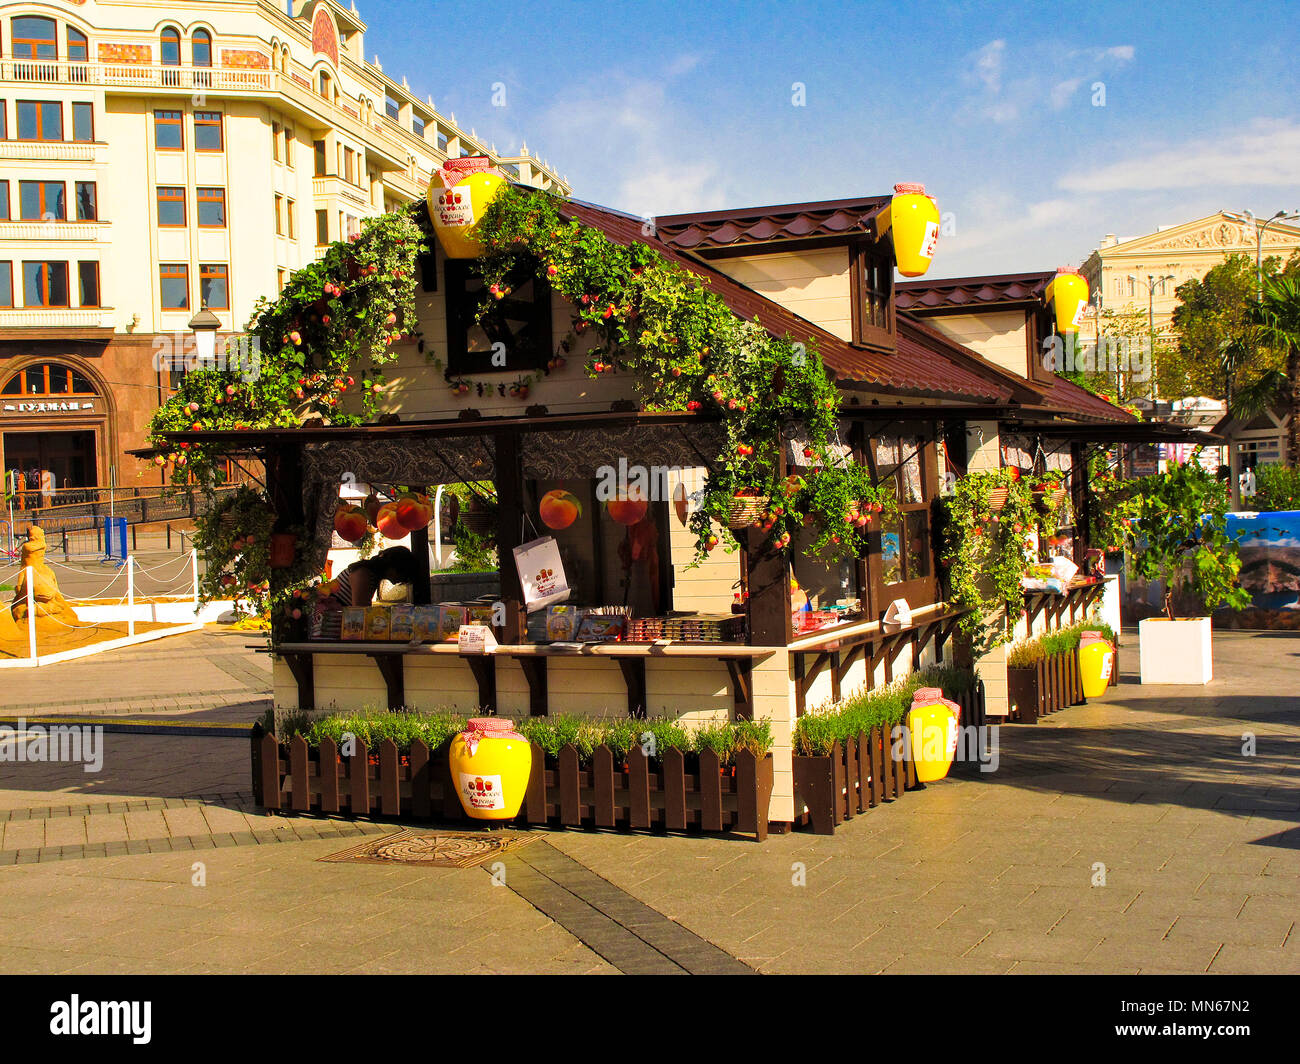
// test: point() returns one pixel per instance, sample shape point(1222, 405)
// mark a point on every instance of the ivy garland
point(689, 352)
point(984, 552)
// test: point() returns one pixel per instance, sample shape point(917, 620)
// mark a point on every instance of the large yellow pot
point(932, 729)
point(914, 218)
point(1067, 293)
point(456, 210)
point(1096, 664)
point(490, 767)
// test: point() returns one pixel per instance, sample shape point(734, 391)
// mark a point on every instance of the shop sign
point(48, 406)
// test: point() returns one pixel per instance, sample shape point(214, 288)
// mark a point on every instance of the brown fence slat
point(421, 787)
point(535, 799)
point(329, 776)
point(710, 791)
point(359, 779)
point(638, 778)
point(850, 778)
point(877, 767)
point(570, 799)
point(746, 791)
point(298, 764)
point(270, 756)
point(602, 773)
point(900, 770)
point(390, 804)
point(674, 790)
point(837, 782)
point(866, 774)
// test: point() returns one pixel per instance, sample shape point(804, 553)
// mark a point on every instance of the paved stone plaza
point(1199, 846)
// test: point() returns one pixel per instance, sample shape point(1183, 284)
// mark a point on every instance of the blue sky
point(656, 107)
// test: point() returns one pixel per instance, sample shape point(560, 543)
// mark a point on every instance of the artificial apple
point(627, 511)
point(388, 523)
point(350, 522)
point(559, 509)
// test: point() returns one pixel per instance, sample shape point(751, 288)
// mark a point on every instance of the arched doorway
point(51, 414)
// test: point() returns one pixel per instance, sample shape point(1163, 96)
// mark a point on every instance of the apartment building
point(158, 158)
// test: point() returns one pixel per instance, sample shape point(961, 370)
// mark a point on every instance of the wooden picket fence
point(863, 772)
point(636, 794)
point(1051, 684)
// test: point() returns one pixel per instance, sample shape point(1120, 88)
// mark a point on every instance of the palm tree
point(1274, 322)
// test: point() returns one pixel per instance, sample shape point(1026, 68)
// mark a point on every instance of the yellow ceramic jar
point(456, 211)
point(932, 730)
point(490, 767)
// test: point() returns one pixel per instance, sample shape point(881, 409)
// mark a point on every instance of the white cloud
point(1012, 84)
point(988, 65)
point(1265, 153)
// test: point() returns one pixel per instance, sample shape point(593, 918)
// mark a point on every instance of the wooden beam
point(303, 668)
point(633, 670)
point(391, 667)
point(421, 589)
point(535, 674)
point(742, 688)
point(484, 668)
point(509, 483)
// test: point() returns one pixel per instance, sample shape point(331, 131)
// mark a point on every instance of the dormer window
point(871, 272)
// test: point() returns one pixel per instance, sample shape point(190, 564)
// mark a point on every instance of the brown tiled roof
point(1069, 399)
point(916, 370)
point(765, 225)
point(954, 292)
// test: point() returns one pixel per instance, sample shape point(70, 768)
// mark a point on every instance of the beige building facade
point(1122, 270)
point(156, 158)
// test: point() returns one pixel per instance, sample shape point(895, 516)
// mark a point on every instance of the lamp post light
point(204, 325)
point(1260, 226)
point(1150, 285)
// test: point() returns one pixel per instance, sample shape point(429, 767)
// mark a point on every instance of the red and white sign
point(481, 792)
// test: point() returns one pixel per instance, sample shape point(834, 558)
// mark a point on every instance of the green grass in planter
point(433, 728)
point(668, 735)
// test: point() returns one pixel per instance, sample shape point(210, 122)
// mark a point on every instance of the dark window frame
point(93, 265)
point(917, 590)
point(462, 306)
point(89, 109)
point(93, 216)
point(871, 290)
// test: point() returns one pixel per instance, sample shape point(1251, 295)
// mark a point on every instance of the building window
point(279, 215)
point(322, 228)
point(521, 321)
point(290, 226)
point(35, 38)
point(42, 201)
point(87, 202)
point(78, 47)
point(174, 285)
point(45, 284)
point(904, 566)
point(171, 207)
point(83, 122)
point(325, 86)
point(48, 378)
point(289, 144)
point(6, 284)
point(201, 48)
point(211, 207)
point(207, 131)
point(281, 278)
point(4, 123)
point(168, 130)
point(872, 285)
point(275, 142)
point(88, 279)
point(40, 120)
point(417, 126)
point(170, 54)
point(391, 108)
point(214, 286)
point(442, 142)
point(4, 201)
point(320, 157)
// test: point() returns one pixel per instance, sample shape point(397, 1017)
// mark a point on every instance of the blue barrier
point(109, 524)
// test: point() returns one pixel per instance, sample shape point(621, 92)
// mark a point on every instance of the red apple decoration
point(413, 511)
point(559, 509)
point(350, 522)
point(388, 523)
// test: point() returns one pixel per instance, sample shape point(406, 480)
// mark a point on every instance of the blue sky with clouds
point(657, 107)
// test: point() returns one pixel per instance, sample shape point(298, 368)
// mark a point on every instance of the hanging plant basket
point(998, 498)
point(1049, 501)
point(745, 510)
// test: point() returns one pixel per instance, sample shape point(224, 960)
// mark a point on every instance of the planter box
point(1176, 651)
point(1051, 684)
point(861, 774)
point(639, 794)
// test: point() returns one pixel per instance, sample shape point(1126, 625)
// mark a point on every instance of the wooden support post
point(768, 606)
point(391, 667)
point(535, 674)
point(484, 668)
point(633, 670)
point(302, 667)
point(509, 480)
point(741, 671)
point(421, 589)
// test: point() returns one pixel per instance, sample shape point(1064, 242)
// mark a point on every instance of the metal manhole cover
point(443, 849)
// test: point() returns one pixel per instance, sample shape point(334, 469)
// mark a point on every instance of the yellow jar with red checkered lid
point(490, 767)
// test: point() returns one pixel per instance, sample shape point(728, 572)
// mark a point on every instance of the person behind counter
point(357, 584)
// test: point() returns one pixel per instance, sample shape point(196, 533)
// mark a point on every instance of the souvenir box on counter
point(688, 628)
point(401, 622)
point(353, 624)
point(562, 623)
point(425, 624)
point(450, 618)
point(377, 623)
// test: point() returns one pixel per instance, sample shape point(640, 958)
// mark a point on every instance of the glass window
point(417, 126)
point(442, 142)
point(214, 287)
point(40, 120)
point(289, 145)
point(42, 201)
point(291, 227)
point(212, 207)
point(83, 122)
point(201, 46)
point(174, 284)
point(78, 47)
point(873, 285)
point(87, 202)
point(45, 284)
point(88, 279)
point(6, 284)
point(4, 201)
point(170, 47)
point(4, 121)
point(320, 158)
point(207, 131)
point(322, 228)
point(168, 130)
point(522, 322)
point(34, 38)
point(391, 108)
point(171, 207)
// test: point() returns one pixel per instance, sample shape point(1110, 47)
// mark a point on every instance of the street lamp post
point(1150, 283)
point(204, 325)
point(1260, 227)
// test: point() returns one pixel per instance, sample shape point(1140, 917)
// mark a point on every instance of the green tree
point(1218, 353)
point(1115, 361)
point(1274, 324)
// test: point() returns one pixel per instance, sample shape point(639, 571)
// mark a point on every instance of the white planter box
point(1176, 651)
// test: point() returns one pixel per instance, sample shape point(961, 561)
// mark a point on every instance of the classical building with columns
point(1120, 269)
point(156, 158)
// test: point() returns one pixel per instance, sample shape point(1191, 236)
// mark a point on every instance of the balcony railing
point(136, 75)
point(61, 151)
point(52, 230)
point(56, 318)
